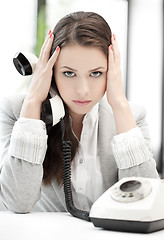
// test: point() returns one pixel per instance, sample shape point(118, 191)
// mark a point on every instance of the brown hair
point(86, 29)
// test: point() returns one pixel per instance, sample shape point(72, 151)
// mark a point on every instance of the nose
point(82, 87)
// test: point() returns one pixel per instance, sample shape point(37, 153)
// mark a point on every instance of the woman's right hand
point(41, 81)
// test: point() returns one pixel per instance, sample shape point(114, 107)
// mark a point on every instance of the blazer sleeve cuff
point(29, 140)
point(130, 149)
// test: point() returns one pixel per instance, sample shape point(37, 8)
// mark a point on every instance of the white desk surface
point(62, 226)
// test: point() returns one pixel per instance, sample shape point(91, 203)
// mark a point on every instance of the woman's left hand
point(123, 115)
point(115, 91)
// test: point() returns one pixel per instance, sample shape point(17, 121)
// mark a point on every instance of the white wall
point(18, 32)
point(145, 61)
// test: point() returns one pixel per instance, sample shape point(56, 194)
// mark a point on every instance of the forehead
point(77, 56)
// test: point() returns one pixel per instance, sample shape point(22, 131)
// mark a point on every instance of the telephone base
point(128, 226)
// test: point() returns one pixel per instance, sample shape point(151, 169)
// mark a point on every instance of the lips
point(82, 103)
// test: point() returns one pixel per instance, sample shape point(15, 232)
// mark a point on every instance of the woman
point(109, 136)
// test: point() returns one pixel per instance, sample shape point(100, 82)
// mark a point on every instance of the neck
point(77, 124)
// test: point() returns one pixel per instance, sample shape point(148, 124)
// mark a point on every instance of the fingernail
point(110, 47)
point(57, 49)
point(49, 32)
point(114, 37)
point(50, 35)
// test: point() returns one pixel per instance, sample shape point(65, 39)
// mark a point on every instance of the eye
point(69, 74)
point(96, 74)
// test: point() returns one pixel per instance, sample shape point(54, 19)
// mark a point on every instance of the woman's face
point(80, 74)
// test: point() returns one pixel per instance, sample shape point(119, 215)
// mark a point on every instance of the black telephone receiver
point(25, 65)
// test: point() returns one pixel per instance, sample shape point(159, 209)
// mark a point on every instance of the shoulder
point(138, 111)
point(11, 105)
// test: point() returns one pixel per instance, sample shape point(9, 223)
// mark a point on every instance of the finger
point(45, 44)
point(47, 49)
point(116, 51)
point(111, 63)
point(53, 58)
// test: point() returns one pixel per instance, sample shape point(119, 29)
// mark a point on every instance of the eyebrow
point(95, 69)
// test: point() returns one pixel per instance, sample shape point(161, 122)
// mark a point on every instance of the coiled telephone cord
point(66, 151)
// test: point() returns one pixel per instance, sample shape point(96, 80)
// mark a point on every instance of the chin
point(80, 111)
